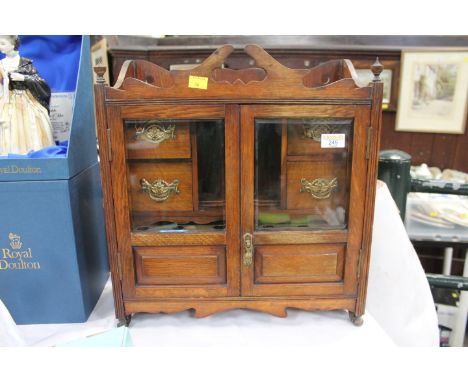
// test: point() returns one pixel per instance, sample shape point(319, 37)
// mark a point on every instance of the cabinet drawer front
point(317, 185)
point(180, 265)
point(299, 263)
point(306, 139)
point(173, 194)
point(158, 140)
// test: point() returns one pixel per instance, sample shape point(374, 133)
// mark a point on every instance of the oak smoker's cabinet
point(247, 188)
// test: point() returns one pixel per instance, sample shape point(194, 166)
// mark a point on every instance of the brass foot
point(356, 320)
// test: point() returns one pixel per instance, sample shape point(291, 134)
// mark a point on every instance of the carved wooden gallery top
point(270, 80)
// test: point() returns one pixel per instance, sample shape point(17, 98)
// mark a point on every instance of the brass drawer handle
point(159, 190)
point(315, 132)
point(155, 133)
point(319, 188)
point(248, 249)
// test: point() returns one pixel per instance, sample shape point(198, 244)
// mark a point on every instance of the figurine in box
point(24, 103)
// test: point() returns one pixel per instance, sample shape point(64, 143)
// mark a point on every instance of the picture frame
point(433, 94)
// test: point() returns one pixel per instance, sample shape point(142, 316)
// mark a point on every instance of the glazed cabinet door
point(303, 182)
point(176, 203)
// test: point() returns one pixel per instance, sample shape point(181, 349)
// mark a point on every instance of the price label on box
point(328, 141)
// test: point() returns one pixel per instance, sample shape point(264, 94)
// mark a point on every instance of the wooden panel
point(311, 171)
point(443, 150)
point(298, 263)
point(151, 171)
point(297, 237)
point(180, 265)
point(421, 146)
point(178, 238)
point(206, 307)
point(176, 147)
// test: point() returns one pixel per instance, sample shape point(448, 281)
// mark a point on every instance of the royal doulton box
point(53, 263)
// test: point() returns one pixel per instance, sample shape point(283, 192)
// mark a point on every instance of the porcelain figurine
point(24, 103)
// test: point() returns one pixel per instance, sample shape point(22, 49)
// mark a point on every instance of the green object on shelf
point(273, 218)
point(301, 220)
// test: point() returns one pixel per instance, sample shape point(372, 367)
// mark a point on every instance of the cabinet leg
point(356, 320)
point(125, 321)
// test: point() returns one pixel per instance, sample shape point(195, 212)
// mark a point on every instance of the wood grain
point(298, 264)
point(207, 307)
point(180, 265)
point(169, 172)
point(297, 200)
point(179, 147)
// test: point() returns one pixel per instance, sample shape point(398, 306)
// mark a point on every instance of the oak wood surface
point(180, 265)
point(105, 169)
point(207, 307)
point(171, 148)
point(330, 170)
point(298, 263)
point(168, 172)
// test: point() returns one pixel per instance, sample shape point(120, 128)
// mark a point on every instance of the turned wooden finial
point(100, 71)
point(376, 68)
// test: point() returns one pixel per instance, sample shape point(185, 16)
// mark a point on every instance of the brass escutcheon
point(319, 188)
point(159, 190)
point(155, 133)
point(248, 249)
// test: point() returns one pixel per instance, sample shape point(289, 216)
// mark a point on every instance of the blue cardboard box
point(53, 256)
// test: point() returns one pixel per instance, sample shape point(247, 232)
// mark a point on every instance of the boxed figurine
point(53, 261)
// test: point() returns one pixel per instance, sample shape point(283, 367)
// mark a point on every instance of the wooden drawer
point(174, 195)
point(301, 144)
point(333, 174)
point(180, 265)
point(157, 140)
point(299, 263)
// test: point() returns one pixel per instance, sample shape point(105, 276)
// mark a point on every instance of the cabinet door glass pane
point(175, 173)
point(302, 173)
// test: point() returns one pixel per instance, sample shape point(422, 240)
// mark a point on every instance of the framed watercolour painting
point(433, 92)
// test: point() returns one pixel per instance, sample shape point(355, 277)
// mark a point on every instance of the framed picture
point(389, 77)
point(433, 92)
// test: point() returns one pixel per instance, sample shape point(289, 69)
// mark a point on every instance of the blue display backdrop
point(57, 58)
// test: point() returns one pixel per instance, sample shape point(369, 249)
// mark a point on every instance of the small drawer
point(157, 140)
point(160, 186)
point(180, 265)
point(312, 185)
point(306, 140)
point(299, 263)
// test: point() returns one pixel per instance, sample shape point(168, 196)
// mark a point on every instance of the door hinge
point(119, 266)
point(361, 253)
point(109, 145)
point(369, 140)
